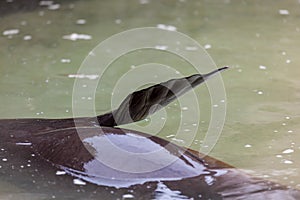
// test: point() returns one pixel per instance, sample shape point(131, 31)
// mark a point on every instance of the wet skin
point(88, 149)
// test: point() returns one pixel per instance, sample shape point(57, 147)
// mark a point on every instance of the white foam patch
point(24, 143)
point(127, 196)
point(59, 173)
point(78, 182)
point(10, 32)
point(283, 12)
point(166, 27)
point(88, 76)
point(262, 67)
point(76, 36)
point(162, 192)
point(288, 151)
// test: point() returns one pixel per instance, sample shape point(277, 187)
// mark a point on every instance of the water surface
point(260, 40)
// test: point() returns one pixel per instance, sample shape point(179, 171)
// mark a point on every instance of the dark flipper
point(138, 105)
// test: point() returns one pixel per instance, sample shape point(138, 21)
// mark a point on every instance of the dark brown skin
point(58, 144)
point(136, 106)
point(69, 152)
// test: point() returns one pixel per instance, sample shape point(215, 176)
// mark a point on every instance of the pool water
point(259, 40)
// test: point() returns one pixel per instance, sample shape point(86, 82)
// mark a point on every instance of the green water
point(260, 44)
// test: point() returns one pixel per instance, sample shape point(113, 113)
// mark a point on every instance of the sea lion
point(150, 168)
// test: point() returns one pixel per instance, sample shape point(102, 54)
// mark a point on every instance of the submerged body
point(120, 162)
point(191, 175)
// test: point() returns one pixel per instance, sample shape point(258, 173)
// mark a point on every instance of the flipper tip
point(223, 68)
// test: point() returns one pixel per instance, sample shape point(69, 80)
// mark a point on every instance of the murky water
point(260, 40)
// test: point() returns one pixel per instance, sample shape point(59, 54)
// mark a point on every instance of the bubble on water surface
point(81, 21)
point(207, 46)
point(262, 67)
point(27, 37)
point(127, 196)
point(54, 7)
point(24, 143)
point(161, 47)
point(76, 36)
point(10, 32)
point(144, 1)
point(46, 3)
point(59, 173)
point(283, 12)
point(191, 48)
point(65, 60)
point(166, 27)
point(118, 21)
point(288, 151)
point(288, 162)
point(78, 182)
point(260, 92)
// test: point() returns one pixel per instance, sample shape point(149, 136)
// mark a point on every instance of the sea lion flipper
point(138, 105)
